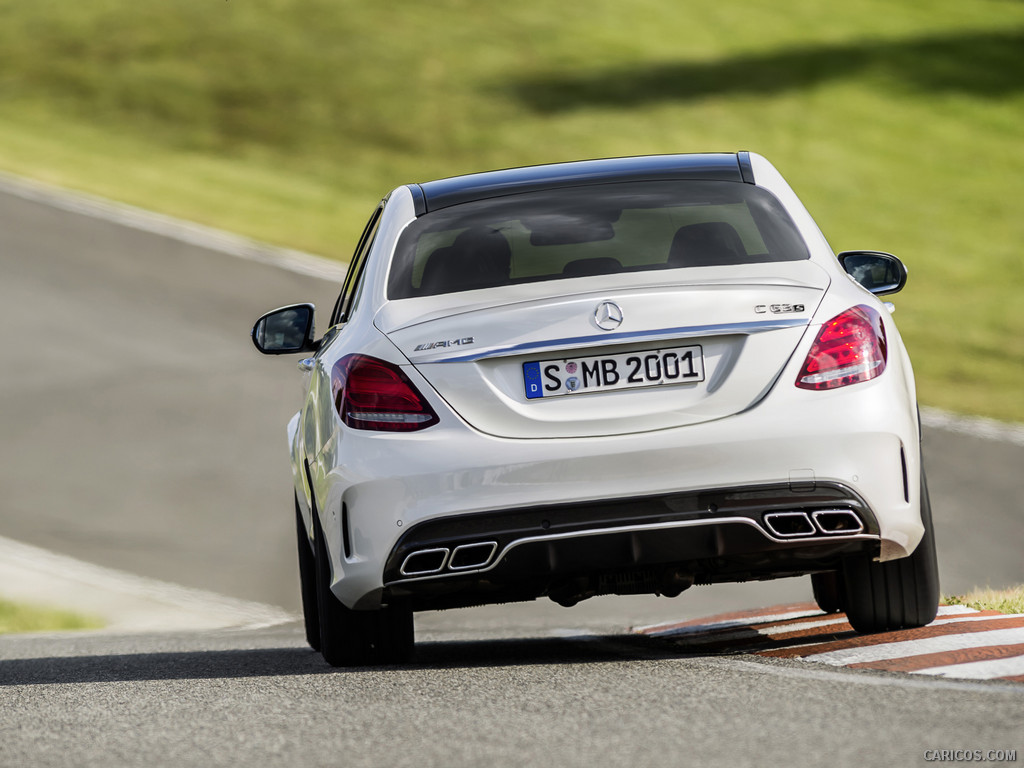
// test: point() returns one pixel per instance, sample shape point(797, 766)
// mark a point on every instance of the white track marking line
point(906, 648)
point(168, 226)
point(799, 626)
point(752, 622)
point(719, 637)
point(975, 426)
point(848, 677)
point(941, 621)
point(953, 610)
point(947, 617)
point(978, 670)
point(127, 602)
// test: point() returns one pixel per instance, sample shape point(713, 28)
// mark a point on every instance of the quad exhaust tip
point(465, 557)
point(831, 522)
point(470, 556)
point(425, 562)
point(837, 521)
point(789, 525)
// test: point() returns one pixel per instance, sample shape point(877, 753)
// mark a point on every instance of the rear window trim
point(395, 267)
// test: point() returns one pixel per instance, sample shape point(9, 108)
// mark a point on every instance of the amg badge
point(444, 343)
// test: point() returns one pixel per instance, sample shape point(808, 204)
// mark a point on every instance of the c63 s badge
point(778, 309)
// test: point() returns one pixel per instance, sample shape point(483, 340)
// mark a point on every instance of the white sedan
point(622, 376)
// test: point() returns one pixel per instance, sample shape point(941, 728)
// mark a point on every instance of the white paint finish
point(989, 669)
point(740, 363)
point(767, 176)
point(451, 469)
point(906, 648)
point(473, 462)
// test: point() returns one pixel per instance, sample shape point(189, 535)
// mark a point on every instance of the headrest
point(706, 244)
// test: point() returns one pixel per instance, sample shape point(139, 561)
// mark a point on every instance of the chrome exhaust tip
point(425, 562)
point(837, 521)
point(789, 525)
point(469, 556)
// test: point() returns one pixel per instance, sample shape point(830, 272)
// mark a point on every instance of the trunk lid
point(740, 325)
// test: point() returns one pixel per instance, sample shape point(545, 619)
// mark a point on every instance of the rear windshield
point(591, 230)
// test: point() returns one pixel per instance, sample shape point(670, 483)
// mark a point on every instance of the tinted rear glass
point(592, 230)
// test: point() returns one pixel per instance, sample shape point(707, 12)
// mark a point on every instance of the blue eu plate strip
point(531, 375)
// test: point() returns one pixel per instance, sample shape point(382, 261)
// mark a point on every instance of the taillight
point(850, 348)
point(375, 394)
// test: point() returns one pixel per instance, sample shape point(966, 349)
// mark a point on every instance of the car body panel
point(744, 346)
point(444, 473)
point(745, 424)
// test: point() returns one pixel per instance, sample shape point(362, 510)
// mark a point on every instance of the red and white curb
point(961, 643)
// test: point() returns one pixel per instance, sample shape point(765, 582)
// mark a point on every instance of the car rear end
point(617, 385)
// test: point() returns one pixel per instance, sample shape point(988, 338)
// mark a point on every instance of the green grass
point(1004, 600)
point(898, 123)
point(18, 617)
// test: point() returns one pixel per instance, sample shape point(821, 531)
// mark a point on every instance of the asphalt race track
point(142, 432)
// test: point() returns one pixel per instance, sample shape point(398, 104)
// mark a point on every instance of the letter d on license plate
point(629, 370)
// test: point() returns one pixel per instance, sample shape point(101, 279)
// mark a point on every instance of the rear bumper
point(657, 544)
point(374, 490)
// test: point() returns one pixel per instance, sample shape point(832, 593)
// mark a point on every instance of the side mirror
point(881, 273)
point(285, 331)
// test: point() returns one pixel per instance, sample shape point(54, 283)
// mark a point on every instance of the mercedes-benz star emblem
point(608, 316)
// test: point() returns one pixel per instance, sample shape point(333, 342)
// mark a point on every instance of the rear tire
point(828, 591)
point(897, 594)
point(307, 582)
point(355, 638)
point(344, 635)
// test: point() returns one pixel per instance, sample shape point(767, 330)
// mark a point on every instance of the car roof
point(434, 195)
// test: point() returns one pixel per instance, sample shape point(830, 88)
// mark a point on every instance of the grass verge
point(897, 122)
point(1009, 600)
point(19, 617)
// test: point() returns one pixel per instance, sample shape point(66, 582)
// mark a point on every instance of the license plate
point(573, 376)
